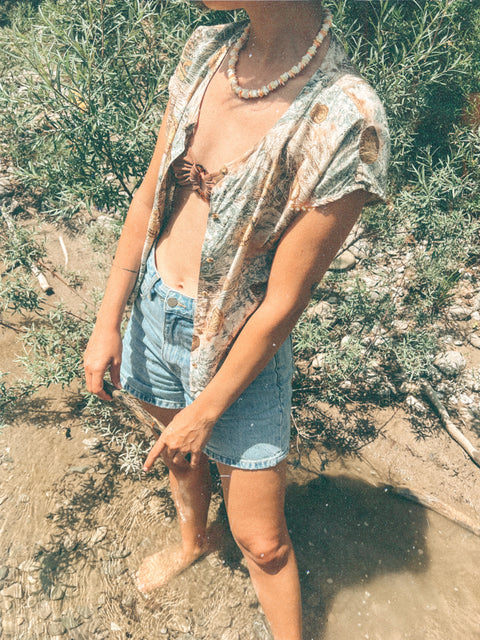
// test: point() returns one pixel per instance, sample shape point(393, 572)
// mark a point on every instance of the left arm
point(303, 255)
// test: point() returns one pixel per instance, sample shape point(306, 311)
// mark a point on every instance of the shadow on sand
point(346, 533)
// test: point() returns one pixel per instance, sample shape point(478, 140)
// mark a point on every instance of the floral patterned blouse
point(332, 140)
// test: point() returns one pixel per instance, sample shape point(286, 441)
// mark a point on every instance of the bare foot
point(158, 569)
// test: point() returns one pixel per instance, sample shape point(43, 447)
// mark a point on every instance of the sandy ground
point(74, 529)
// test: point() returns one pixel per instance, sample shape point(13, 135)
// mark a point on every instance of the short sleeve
point(346, 148)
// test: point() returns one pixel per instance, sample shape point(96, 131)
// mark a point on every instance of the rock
point(323, 310)
point(28, 566)
point(458, 312)
point(85, 612)
point(6, 187)
point(129, 602)
point(78, 469)
point(71, 621)
point(113, 568)
point(44, 609)
point(121, 552)
point(476, 302)
point(450, 363)
point(318, 361)
point(3, 572)
point(465, 399)
point(9, 626)
point(55, 629)
point(13, 591)
point(222, 619)
point(474, 340)
point(114, 627)
point(57, 592)
point(416, 405)
point(98, 535)
point(409, 387)
point(343, 262)
point(92, 443)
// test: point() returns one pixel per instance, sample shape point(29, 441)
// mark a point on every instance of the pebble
point(416, 405)
point(13, 591)
point(343, 262)
point(55, 629)
point(113, 568)
point(323, 310)
point(6, 187)
point(85, 612)
point(459, 313)
point(92, 443)
point(474, 340)
point(222, 619)
point(78, 469)
point(98, 535)
point(9, 625)
point(57, 592)
point(44, 609)
point(71, 621)
point(318, 361)
point(450, 363)
point(121, 552)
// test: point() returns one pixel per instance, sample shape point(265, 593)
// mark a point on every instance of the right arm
point(104, 348)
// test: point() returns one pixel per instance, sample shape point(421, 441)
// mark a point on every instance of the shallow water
point(375, 566)
point(74, 530)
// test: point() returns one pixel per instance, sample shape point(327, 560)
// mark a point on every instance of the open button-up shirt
point(332, 140)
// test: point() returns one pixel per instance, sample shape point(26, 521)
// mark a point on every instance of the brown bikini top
point(189, 173)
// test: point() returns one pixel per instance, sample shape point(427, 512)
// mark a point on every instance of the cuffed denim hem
point(249, 465)
point(157, 402)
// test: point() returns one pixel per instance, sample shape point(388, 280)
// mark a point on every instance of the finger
point(195, 460)
point(115, 375)
point(96, 384)
point(155, 452)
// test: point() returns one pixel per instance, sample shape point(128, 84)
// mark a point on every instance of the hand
point(187, 433)
point(103, 352)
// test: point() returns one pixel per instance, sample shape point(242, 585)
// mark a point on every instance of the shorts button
point(172, 302)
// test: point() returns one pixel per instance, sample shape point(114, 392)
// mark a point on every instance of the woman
point(270, 146)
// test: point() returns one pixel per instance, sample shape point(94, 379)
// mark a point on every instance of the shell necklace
point(247, 94)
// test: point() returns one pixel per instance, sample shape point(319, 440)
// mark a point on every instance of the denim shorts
point(254, 432)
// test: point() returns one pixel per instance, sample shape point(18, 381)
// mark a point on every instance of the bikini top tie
point(189, 173)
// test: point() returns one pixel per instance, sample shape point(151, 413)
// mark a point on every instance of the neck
point(282, 27)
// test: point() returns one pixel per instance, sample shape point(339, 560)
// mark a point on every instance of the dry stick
point(451, 429)
point(423, 499)
point(43, 282)
point(133, 405)
point(64, 249)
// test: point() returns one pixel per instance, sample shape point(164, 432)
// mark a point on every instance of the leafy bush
point(83, 85)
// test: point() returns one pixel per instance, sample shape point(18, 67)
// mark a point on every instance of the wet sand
point(74, 529)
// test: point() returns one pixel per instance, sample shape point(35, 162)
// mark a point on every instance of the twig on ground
point(64, 249)
point(451, 429)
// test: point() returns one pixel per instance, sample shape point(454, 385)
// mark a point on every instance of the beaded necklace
point(247, 94)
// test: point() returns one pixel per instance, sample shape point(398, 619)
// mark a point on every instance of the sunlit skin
point(228, 127)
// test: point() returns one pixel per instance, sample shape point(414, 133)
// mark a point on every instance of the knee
point(269, 553)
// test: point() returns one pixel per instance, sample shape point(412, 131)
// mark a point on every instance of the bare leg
point(255, 507)
point(191, 490)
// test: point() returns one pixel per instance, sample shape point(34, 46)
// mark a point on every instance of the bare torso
point(227, 129)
